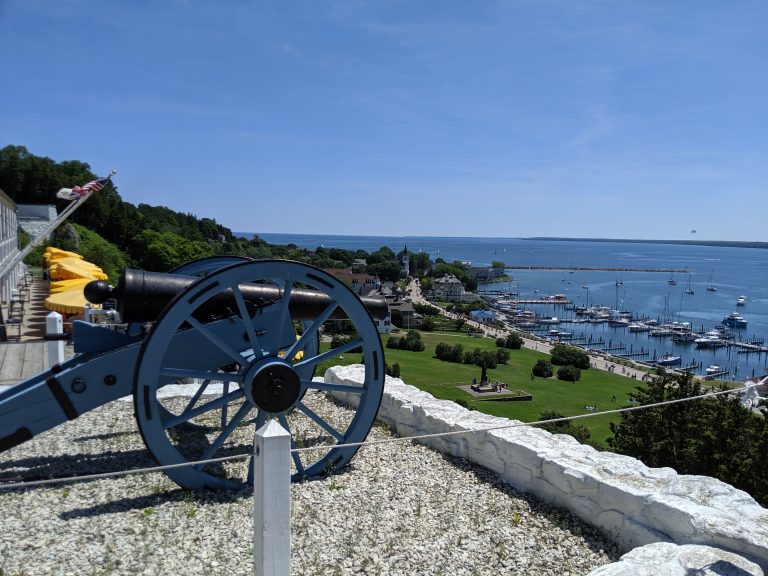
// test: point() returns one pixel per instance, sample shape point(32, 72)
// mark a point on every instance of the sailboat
point(689, 290)
point(710, 286)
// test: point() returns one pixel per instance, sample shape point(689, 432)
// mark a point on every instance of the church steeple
point(405, 261)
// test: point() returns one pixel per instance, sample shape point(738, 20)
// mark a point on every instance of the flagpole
point(10, 264)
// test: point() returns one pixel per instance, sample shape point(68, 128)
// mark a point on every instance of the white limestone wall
point(634, 504)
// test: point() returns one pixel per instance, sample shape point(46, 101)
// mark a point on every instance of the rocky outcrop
point(634, 504)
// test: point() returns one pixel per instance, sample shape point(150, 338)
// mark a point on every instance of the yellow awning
point(71, 271)
point(70, 302)
point(75, 262)
point(52, 252)
point(70, 268)
point(65, 285)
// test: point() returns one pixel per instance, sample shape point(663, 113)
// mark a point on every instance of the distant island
point(724, 243)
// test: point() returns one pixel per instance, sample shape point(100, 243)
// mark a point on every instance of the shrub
point(464, 403)
point(411, 341)
point(502, 356)
point(442, 351)
point(568, 373)
point(512, 342)
point(543, 369)
point(578, 431)
point(393, 370)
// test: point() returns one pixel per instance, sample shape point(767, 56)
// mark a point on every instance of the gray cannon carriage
point(245, 335)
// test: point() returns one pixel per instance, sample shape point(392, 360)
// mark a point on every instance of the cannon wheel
point(261, 379)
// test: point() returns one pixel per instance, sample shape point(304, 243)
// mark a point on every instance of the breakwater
point(596, 268)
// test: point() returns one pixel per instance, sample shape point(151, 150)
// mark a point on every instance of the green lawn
point(442, 380)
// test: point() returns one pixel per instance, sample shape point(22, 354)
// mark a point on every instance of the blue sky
point(589, 118)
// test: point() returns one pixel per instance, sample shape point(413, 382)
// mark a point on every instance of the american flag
point(92, 186)
point(84, 190)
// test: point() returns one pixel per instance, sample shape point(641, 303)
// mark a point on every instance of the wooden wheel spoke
point(253, 339)
point(319, 421)
point(327, 387)
point(222, 437)
point(310, 332)
point(214, 339)
point(284, 315)
point(187, 415)
point(179, 373)
point(196, 396)
point(309, 362)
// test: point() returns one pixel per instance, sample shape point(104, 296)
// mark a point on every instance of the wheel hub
point(274, 387)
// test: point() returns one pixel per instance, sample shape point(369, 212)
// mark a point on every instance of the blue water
point(734, 271)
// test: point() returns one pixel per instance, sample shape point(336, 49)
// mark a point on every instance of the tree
point(542, 368)
point(713, 436)
point(420, 264)
point(386, 270)
point(161, 251)
point(512, 341)
point(383, 254)
point(562, 354)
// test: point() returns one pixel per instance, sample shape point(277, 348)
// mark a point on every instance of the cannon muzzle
point(141, 297)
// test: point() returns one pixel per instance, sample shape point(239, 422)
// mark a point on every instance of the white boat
point(741, 300)
point(549, 320)
point(709, 341)
point(735, 320)
point(559, 333)
point(713, 369)
point(638, 327)
point(672, 281)
point(661, 332)
point(668, 359)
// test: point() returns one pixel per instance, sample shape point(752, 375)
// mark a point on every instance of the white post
point(54, 325)
point(272, 501)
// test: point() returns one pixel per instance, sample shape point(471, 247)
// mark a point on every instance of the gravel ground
point(398, 509)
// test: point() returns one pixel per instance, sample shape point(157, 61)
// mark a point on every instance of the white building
point(9, 247)
point(450, 289)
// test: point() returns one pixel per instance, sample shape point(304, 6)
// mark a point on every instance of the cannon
point(245, 336)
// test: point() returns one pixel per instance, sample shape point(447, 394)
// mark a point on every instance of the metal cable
point(364, 444)
point(521, 424)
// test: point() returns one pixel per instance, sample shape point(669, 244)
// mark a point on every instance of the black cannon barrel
point(141, 297)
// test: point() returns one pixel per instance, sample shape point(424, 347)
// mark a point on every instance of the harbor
point(642, 317)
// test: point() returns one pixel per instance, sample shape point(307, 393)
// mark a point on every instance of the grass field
point(442, 380)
